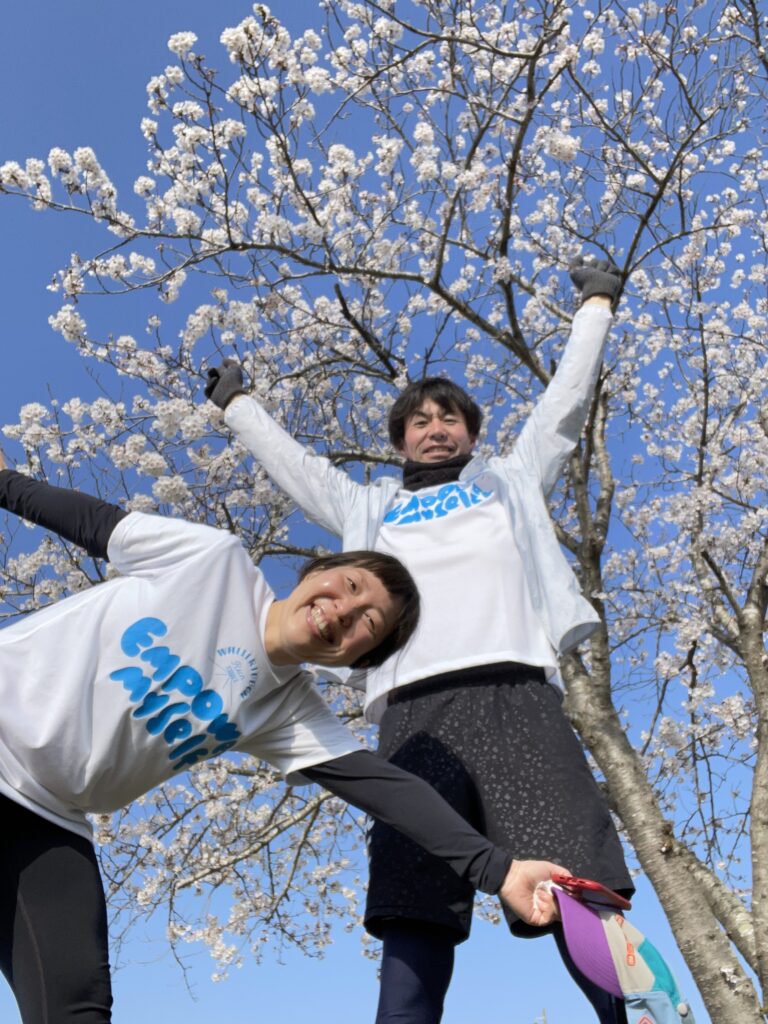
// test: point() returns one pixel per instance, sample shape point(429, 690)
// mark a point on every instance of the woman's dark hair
point(397, 581)
point(449, 396)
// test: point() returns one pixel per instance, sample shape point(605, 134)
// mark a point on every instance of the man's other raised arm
point(553, 429)
point(324, 493)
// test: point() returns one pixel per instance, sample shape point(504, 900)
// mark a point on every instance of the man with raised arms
point(472, 703)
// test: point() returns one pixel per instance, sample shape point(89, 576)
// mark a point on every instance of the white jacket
point(527, 474)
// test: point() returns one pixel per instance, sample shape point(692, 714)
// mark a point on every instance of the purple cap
point(613, 954)
point(587, 944)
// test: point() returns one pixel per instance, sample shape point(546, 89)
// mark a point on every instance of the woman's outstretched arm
point(77, 517)
point(414, 808)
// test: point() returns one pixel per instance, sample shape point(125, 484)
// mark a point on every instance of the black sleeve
point(77, 517)
point(414, 808)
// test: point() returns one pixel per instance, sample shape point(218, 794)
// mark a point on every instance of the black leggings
point(53, 921)
point(416, 969)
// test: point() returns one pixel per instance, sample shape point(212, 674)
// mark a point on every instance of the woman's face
point(333, 617)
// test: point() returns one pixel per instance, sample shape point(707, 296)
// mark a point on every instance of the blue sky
point(74, 74)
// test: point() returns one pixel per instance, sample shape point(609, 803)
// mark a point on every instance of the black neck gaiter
point(417, 475)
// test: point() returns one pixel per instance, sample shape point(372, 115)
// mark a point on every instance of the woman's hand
point(523, 892)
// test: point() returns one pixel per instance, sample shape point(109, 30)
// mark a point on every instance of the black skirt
point(495, 743)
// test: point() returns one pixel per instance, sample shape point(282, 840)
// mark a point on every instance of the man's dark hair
point(449, 396)
point(397, 581)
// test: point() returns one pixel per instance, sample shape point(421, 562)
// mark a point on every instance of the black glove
point(598, 277)
point(224, 382)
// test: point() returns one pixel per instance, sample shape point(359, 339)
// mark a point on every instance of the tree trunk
point(702, 942)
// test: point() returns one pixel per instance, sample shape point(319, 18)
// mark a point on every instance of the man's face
point(434, 434)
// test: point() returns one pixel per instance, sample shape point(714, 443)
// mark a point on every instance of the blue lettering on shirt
point(424, 507)
point(186, 680)
point(151, 703)
point(207, 705)
point(161, 660)
point(134, 681)
point(223, 729)
point(178, 730)
point(239, 669)
point(195, 727)
point(140, 635)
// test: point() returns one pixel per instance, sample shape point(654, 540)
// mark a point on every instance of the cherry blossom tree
point(399, 191)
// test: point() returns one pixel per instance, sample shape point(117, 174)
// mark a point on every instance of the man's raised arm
point(323, 492)
point(553, 429)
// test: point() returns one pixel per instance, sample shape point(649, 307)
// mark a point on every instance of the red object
point(592, 892)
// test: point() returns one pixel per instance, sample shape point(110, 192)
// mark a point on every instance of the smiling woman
point(185, 656)
point(366, 593)
point(332, 614)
